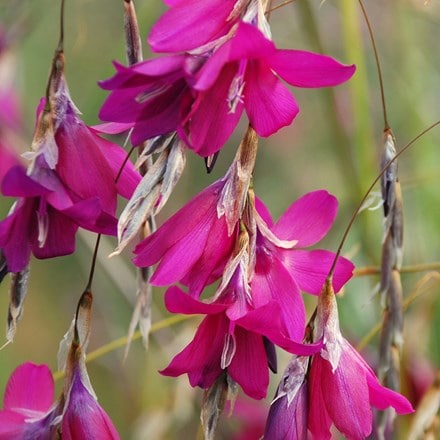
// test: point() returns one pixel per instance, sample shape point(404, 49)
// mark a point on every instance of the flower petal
point(207, 127)
point(16, 230)
point(194, 213)
point(82, 166)
point(382, 397)
point(30, 387)
point(60, 239)
point(308, 219)
point(17, 183)
point(201, 358)
point(269, 104)
point(177, 301)
point(319, 422)
point(115, 156)
point(282, 288)
point(249, 365)
point(12, 425)
point(266, 321)
point(345, 393)
point(307, 69)
point(310, 269)
point(190, 24)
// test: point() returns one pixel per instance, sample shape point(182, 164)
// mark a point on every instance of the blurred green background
point(334, 143)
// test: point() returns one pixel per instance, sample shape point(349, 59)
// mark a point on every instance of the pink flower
point(69, 183)
point(243, 74)
point(283, 268)
point(193, 245)
point(28, 404)
point(236, 346)
point(147, 96)
point(177, 92)
point(343, 388)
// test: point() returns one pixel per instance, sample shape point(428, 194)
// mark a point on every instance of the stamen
point(229, 348)
point(150, 94)
point(43, 224)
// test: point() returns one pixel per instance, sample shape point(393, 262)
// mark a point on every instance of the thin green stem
point(376, 270)
point(364, 198)
point(379, 70)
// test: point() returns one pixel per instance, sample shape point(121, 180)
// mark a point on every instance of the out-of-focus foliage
point(334, 144)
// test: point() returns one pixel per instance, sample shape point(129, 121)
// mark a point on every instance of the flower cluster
point(218, 62)
point(226, 234)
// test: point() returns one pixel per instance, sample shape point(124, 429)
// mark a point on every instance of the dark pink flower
point(343, 388)
point(177, 92)
point(146, 96)
point(193, 245)
point(243, 74)
point(28, 411)
point(69, 183)
point(223, 344)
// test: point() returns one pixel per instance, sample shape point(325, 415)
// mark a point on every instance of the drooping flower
point(69, 183)
point(343, 388)
point(235, 345)
point(177, 92)
point(28, 409)
point(30, 412)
